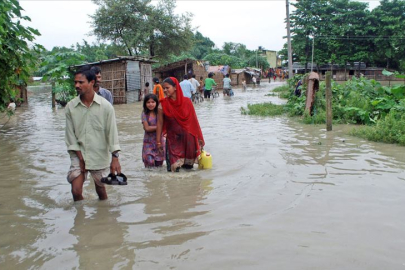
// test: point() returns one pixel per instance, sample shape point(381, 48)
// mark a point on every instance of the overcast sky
point(253, 23)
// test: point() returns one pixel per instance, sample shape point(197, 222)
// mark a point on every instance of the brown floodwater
point(280, 195)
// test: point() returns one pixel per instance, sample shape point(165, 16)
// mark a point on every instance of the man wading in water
point(91, 133)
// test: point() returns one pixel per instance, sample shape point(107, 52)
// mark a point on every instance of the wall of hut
point(237, 78)
point(371, 73)
point(113, 79)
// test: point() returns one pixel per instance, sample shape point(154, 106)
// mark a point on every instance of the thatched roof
point(173, 65)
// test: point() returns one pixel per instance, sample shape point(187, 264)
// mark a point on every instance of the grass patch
point(283, 88)
point(391, 129)
point(283, 91)
point(264, 109)
point(34, 83)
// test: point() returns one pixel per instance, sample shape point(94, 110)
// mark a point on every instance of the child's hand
point(160, 148)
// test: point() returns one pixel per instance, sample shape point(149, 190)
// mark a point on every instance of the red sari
point(183, 133)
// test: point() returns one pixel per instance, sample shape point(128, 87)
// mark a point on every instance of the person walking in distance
point(227, 85)
point(187, 87)
point(99, 90)
point(91, 135)
point(157, 89)
point(209, 82)
point(195, 83)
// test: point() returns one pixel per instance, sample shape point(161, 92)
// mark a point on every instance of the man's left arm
point(110, 98)
point(113, 143)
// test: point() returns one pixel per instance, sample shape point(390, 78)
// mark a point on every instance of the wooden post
point(328, 96)
point(53, 95)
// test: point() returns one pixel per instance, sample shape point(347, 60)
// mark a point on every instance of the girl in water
point(151, 156)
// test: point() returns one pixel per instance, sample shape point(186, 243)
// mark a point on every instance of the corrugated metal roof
point(121, 58)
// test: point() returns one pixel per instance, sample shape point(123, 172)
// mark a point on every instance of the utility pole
point(328, 97)
point(290, 70)
point(312, 62)
point(256, 59)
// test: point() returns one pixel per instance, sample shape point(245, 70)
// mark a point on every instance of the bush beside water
point(380, 109)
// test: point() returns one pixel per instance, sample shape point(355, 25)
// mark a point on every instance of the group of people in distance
point(172, 131)
point(190, 85)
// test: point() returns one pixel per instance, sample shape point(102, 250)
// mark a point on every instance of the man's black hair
point(96, 69)
point(87, 72)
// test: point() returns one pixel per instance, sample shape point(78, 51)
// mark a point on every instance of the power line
point(361, 37)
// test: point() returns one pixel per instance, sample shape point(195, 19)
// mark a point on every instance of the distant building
point(271, 56)
point(124, 76)
point(244, 74)
point(344, 73)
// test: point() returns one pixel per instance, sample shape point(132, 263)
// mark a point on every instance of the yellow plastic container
point(205, 160)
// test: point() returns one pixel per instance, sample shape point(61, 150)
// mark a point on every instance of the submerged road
point(281, 195)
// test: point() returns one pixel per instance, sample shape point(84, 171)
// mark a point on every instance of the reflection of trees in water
point(310, 146)
point(18, 205)
point(171, 207)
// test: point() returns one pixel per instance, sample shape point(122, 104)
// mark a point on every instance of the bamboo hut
point(238, 75)
point(124, 76)
point(189, 66)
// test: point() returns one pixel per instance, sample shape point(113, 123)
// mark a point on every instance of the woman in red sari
point(178, 121)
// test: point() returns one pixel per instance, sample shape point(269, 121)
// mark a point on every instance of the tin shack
point(124, 76)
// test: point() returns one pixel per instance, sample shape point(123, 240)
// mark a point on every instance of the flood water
point(281, 195)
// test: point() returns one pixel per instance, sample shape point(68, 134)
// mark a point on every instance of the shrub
point(391, 129)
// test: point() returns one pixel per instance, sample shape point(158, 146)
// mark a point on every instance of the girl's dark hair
point(169, 81)
point(147, 97)
point(147, 84)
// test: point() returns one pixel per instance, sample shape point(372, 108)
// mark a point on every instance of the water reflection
point(336, 153)
point(171, 207)
point(99, 236)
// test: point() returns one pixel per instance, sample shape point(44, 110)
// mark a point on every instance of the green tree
point(142, 28)
point(260, 60)
point(224, 59)
point(388, 22)
point(336, 25)
point(16, 55)
point(201, 46)
point(237, 49)
point(56, 69)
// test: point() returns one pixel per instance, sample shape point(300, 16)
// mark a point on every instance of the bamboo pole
point(328, 96)
point(290, 63)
